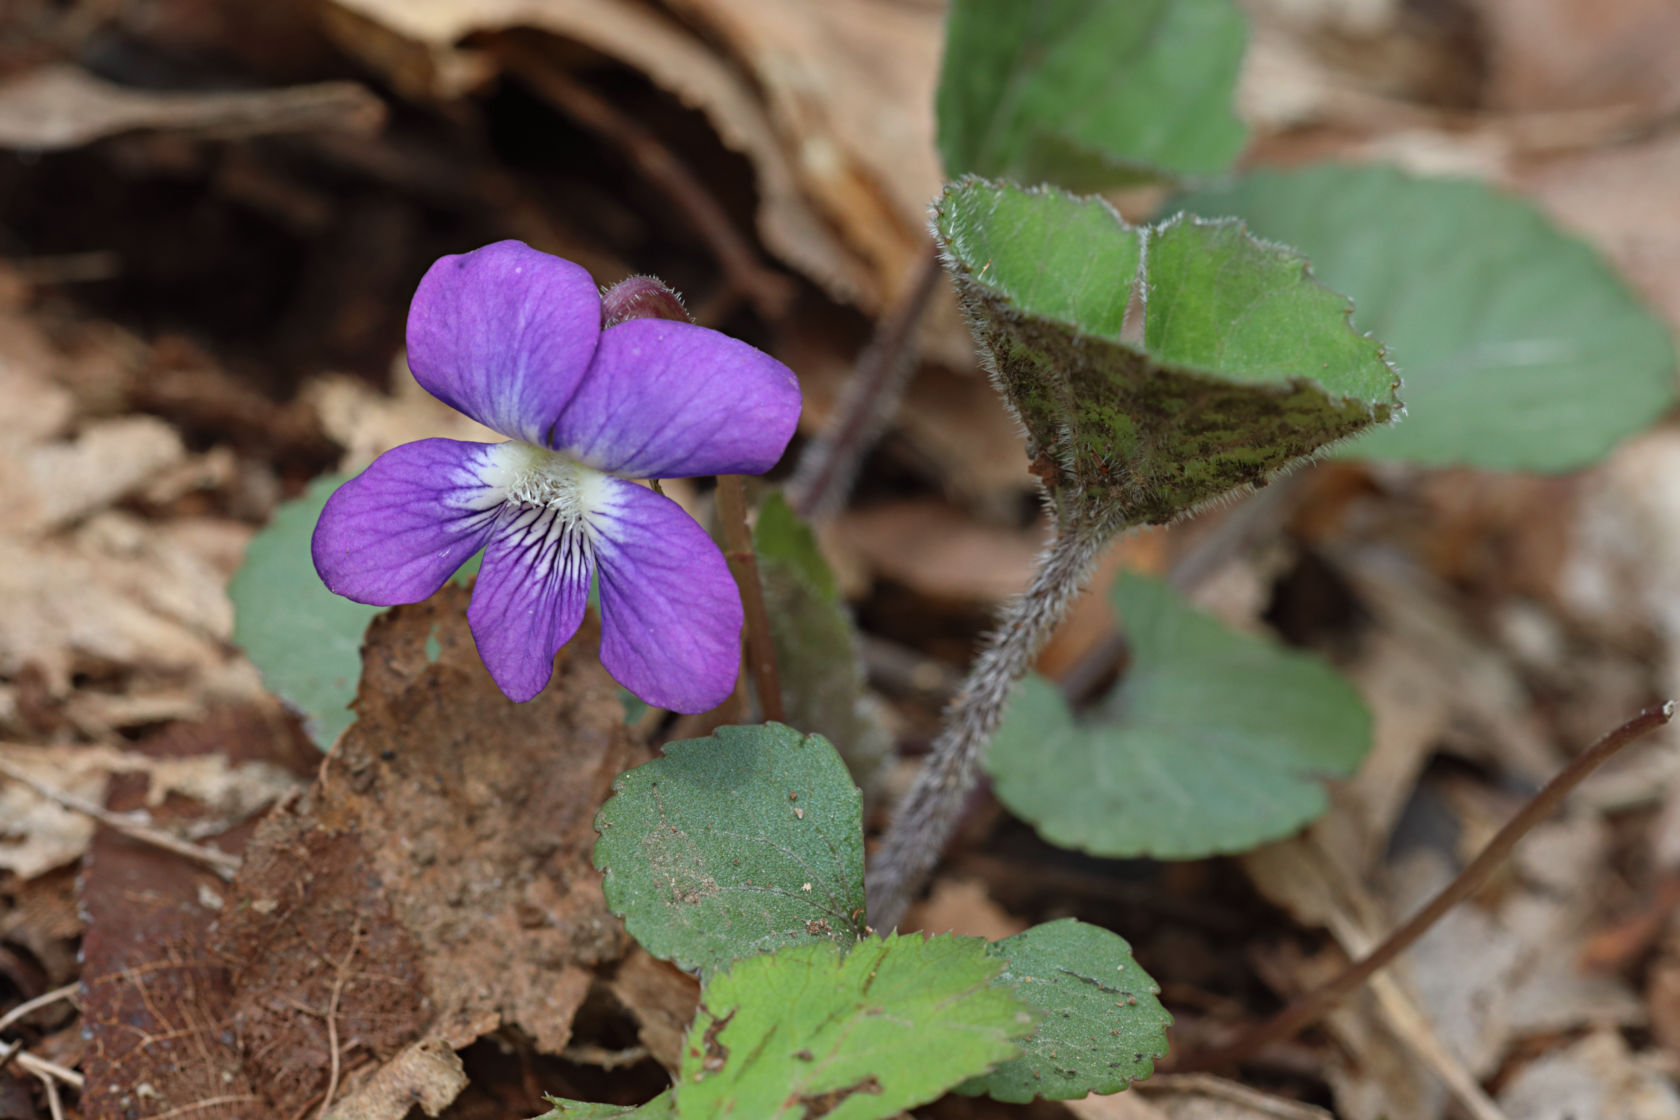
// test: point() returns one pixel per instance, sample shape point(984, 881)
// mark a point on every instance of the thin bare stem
point(213, 858)
point(769, 291)
point(1312, 1006)
point(929, 813)
point(45, 999)
point(829, 463)
point(743, 561)
point(41, 1067)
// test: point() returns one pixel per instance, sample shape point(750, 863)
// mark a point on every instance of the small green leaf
point(1521, 349)
point(780, 535)
point(1214, 741)
point(735, 845)
point(1101, 1026)
point(823, 681)
point(659, 1108)
point(304, 640)
point(1090, 95)
point(809, 1031)
point(1245, 363)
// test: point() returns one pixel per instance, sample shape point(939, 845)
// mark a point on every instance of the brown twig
point(45, 999)
point(219, 861)
point(769, 291)
point(1312, 1006)
point(830, 462)
point(743, 562)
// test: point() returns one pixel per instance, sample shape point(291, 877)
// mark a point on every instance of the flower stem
point(1311, 1007)
point(743, 562)
point(830, 462)
point(929, 813)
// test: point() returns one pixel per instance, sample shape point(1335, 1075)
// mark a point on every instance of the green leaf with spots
point(659, 1108)
point(1214, 741)
point(1242, 364)
point(1100, 1027)
point(1089, 94)
point(813, 1031)
point(739, 844)
point(1521, 348)
point(823, 681)
point(304, 640)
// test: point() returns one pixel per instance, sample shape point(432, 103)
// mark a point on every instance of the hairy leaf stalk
point(930, 811)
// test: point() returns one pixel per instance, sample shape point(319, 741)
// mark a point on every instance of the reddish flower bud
point(641, 297)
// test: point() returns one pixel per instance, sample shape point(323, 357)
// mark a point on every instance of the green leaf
point(1101, 1026)
point(1088, 94)
point(659, 1108)
point(735, 845)
point(809, 1031)
point(1214, 741)
point(304, 640)
point(780, 535)
point(823, 682)
point(1521, 349)
point(1244, 363)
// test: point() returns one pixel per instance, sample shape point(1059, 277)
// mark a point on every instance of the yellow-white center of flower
point(537, 478)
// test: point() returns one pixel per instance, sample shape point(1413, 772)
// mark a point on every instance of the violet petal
point(670, 613)
point(503, 334)
point(673, 400)
point(397, 531)
point(530, 596)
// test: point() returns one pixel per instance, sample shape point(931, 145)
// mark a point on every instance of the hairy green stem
point(930, 811)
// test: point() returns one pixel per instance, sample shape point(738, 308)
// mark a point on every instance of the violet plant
point(591, 396)
point(1155, 368)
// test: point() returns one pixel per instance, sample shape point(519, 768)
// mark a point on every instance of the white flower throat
point(537, 478)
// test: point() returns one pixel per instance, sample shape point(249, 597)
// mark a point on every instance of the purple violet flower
point(514, 338)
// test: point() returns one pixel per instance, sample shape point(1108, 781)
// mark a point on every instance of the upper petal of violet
point(504, 334)
point(671, 400)
point(396, 531)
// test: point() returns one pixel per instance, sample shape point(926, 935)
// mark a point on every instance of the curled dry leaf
point(435, 882)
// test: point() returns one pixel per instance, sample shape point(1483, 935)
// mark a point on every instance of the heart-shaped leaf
point(1214, 741)
point(735, 845)
point(1521, 349)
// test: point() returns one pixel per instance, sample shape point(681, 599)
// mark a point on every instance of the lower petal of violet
point(530, 596)
point(397, 531)
point(670, 611)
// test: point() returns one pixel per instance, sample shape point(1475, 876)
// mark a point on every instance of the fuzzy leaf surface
point(823, 681)
point(813, 1031)
point(1521, 348)
point(735, 845)
point(1245, 363)
point(1100, 1027)
point(1090, 95)
point(1214, 741)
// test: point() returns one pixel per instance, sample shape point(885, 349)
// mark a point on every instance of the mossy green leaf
point(1089, 94)
point(1242, 364)
point(813, 1031)
point(735, 845)
point(1521, 348)
point(1100, 1026)
point(1213, 741)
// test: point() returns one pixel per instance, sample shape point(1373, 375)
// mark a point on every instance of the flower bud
point(641, 297)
